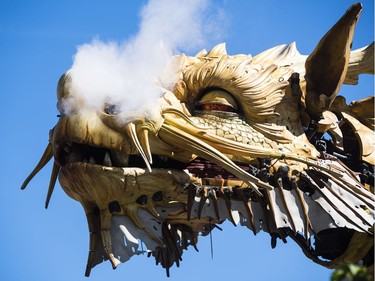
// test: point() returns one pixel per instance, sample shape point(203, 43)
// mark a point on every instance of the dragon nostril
point(112, 109)
point(142, 200)
point(157, 196)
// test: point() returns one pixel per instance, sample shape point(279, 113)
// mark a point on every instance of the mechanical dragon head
point(235, 138)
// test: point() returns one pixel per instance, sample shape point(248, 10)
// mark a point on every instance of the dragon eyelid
point(218, 100)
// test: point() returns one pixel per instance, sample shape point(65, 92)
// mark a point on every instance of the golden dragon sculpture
point(236, 138)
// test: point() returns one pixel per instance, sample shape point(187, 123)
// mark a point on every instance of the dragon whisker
point(176, 136)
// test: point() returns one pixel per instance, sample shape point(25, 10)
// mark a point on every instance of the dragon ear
point(327, 65)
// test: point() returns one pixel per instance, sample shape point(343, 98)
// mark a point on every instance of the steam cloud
point(124, 74)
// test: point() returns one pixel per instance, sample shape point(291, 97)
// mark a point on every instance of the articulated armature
point(263, 141)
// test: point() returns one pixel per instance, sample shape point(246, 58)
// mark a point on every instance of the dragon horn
point(142, 146)
point(326, 67)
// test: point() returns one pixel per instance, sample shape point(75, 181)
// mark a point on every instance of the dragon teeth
point(67, 148)
point(107, 160)
point(92, 160)
point(119, 159)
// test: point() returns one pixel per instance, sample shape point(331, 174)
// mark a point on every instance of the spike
point(176, 237)
point(228, 204)
point(307, 227)
point(94, 244)
point(247, 204)
point(95, 239)
point(47, 155)
point(251, 215)
point(203, 199)
point(201, 53)
point(267, 211)
point(213, 198)
point(171, 243)
point(279, 183)
point(274, 237)
point(269, 56)
point(157, 255)
point(54, 174)
point(190, 199)
point(211, 242)
point(217, 51)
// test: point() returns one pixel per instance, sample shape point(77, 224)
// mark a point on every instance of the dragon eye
point(217, 100)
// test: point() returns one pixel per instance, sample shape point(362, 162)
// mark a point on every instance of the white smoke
point(124, 74)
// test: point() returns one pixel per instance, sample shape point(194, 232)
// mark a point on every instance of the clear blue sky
point(37, 42)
